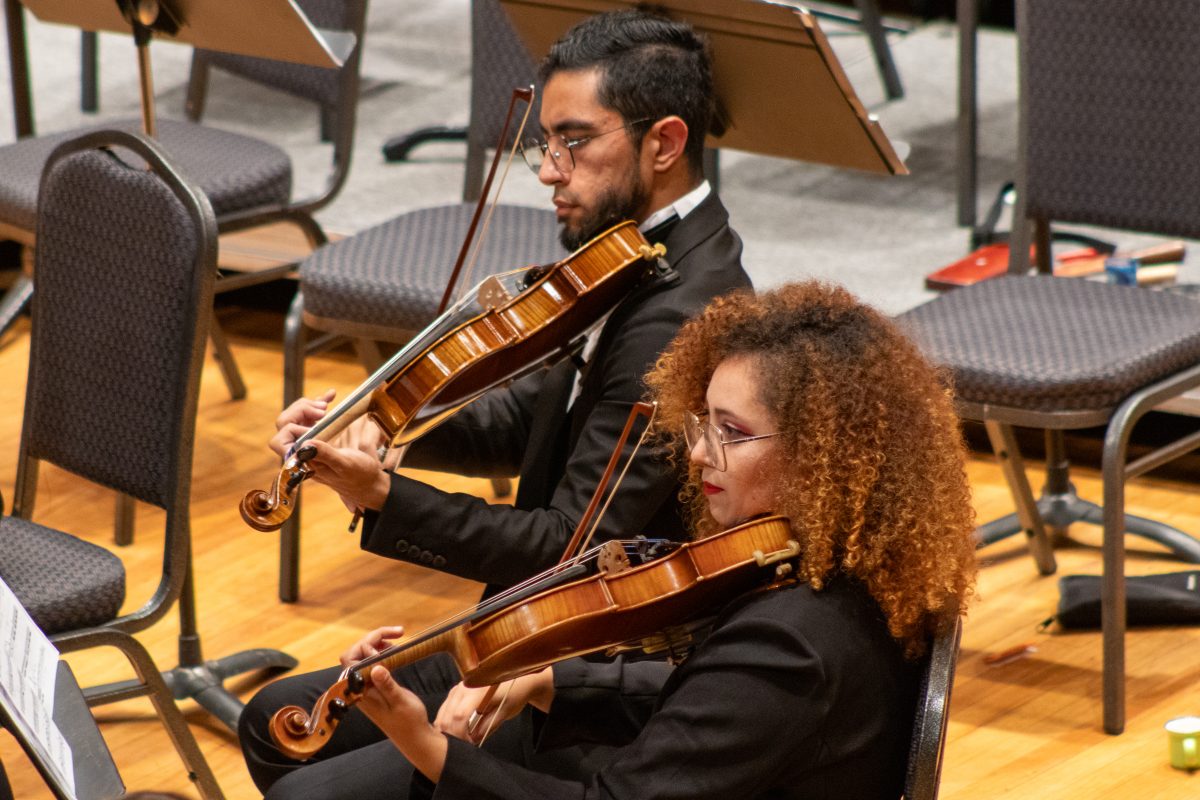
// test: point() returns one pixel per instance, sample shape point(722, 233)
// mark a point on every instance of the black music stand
point(231, 26)
point(760, 50)
point(398, 148)
point(227, 26)
point(96, 776)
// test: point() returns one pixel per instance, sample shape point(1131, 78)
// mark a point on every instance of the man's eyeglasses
point(697, 429)
point(560, 149)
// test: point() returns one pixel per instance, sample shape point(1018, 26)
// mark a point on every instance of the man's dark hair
point(650, 66)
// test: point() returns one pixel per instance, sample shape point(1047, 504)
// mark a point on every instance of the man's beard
point(613, 206)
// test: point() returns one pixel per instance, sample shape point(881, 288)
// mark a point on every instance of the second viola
point(508, 325)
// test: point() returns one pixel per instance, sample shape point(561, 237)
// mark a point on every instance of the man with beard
point(626, 103)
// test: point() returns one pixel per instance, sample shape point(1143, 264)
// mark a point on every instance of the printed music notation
point(28, 668)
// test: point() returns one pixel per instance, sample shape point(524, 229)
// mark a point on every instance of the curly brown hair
point(869, 465)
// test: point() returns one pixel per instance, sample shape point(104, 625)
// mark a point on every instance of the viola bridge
point(618, 555)
point(492, 293)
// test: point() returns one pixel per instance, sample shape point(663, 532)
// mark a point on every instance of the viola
point(508, 325)
point(559, 615)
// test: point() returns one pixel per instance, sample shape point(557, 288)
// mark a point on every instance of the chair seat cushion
point(65, 583)
point(1041, 343)
point(236, 172)
point(394, 274)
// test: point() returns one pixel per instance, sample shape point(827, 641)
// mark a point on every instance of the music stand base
point(1059, 509)
point(398, 147)
point(203, 682)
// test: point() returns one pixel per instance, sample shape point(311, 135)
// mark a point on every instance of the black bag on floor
point(1172, 598)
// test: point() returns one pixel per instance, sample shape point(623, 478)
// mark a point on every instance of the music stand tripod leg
point(201, 680)
point(397, 148)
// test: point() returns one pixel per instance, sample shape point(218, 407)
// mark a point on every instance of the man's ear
point(668, 138)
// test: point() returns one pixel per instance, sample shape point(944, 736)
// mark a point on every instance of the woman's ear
point(667, 139)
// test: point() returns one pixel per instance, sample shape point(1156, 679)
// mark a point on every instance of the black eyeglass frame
point(541, 147)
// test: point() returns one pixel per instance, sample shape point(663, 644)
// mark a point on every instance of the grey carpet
point(877, 235)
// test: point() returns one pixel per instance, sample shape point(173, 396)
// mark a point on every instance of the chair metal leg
point(1116, 471)
point(123, 520)
point(18, 69)
point(1028, 516)
point(1112, 592)
point(15, 300)
point(1059, 506)
point(967, 15)
point(224, 356)
point(289, 556)
point(198, 679)
point(151, 684)
point(294, 346)
point(89, 72)
point(202, 682)
point(197, 91)
point(328, 124)
point(873, 25)
point(1112, 584)
point(473, 174)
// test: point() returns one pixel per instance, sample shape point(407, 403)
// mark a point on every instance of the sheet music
point(28, 666)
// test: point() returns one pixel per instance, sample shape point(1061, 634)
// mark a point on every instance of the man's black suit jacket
point(560, 454)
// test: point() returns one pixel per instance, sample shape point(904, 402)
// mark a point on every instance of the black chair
point(924, 773)
point(385, 283)
point(125, 262)
point(1099, 143)
point(248, 181)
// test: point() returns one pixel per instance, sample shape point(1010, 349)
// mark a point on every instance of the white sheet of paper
point(31, 653)
point(28, 667)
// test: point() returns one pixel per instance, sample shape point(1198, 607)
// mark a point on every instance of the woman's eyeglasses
point(697, 429)
point(560, 149)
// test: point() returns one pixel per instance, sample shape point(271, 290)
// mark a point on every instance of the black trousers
point(359, 761)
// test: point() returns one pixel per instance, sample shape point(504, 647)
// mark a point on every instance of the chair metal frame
point(924, 773)
point(118, 633)
point(1043, 518)
point(297, 212)
point(194, 677)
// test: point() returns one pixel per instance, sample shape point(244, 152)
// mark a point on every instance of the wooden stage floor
point(1025, 728)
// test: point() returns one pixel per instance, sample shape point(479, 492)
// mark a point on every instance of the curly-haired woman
point(801, 402)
